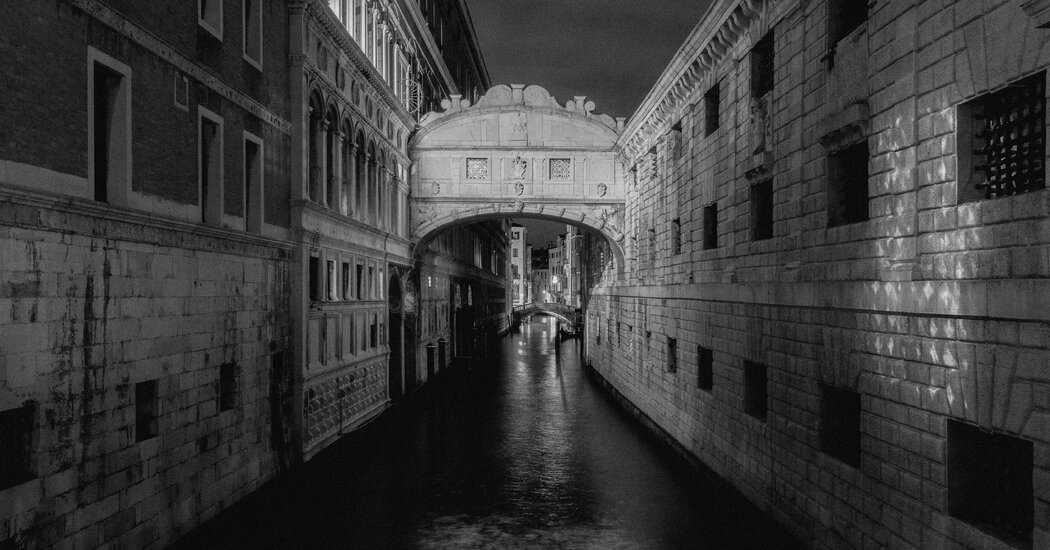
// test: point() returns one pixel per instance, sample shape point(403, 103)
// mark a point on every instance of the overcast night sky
point(611, 51)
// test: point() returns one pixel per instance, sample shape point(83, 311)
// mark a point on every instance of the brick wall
point(932, 310)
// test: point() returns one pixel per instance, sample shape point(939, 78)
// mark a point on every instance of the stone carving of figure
point(521, 167)
point(602, 189)
point(519, 188)
point(759, 124)
point(522, 126)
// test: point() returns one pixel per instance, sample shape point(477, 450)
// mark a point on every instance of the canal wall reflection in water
point(523, 452)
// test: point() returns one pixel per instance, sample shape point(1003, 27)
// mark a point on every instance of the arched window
point(332, 151)
point(393, 195)
point(381, 185)
point(360, 177)
point(370, 202)
point(346, 180)
point(316, 144)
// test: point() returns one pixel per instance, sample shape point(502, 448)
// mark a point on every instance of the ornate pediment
point(519, 95)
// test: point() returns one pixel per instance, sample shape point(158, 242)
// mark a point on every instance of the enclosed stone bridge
point(517, 153)
point(565, 313)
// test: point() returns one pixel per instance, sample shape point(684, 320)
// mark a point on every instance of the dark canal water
point(527, 452)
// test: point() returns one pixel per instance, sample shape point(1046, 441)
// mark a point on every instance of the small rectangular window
point(712, 109)
point(210, 169)
point(848, 185)
point(840, 424)
point(209, 16)
point(227, 386)
point(347, 289)
point(253, 183)
point(1002, 141)
point(705, 372)
point(181, 90)
point(359, 279)
point(373, 333)
point(677, 143)
point(352, 331)
point(16, 445)
point(672, 355)
point(711, 226)
point(762, 210)
point(331, 283)
point(676, 236)
point(762, 66)
point(109, 120)
point(371, 283)
point(147, 410)
point(990, 482)
point(358, 19)
point(315, 279)
point(756, 390)
point(253, 32)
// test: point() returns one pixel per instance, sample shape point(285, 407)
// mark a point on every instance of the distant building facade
point(367, 71)
point(520, 263)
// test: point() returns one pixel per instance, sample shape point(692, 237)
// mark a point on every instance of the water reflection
point(522, 453)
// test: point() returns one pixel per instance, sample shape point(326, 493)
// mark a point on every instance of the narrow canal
point(527, 452)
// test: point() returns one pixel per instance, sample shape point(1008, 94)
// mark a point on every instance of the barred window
point(1006, 133)
point(477, 169)
point(561, 169)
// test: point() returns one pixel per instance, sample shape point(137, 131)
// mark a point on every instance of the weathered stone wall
point(933, 309)
point(118, 318)
point(85, 318)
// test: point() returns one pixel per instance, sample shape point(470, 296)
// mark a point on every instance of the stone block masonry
point(929, 306)
point(85, 321)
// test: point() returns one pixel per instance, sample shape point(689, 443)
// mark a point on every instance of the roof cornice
point(712, 40)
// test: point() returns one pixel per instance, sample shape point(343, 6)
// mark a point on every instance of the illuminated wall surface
point(817, 257)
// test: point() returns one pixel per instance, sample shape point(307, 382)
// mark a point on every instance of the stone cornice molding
point(319, 13)
point(715, 37)
point(59, 213)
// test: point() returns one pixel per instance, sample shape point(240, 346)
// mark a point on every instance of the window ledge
point(844, 128)
point(1039, 11)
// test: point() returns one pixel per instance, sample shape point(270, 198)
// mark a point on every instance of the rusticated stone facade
point(840, 336)
point(86, 320)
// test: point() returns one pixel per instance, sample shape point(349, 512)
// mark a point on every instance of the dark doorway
point(397, 348)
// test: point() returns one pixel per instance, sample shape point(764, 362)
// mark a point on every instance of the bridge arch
point(517, 153)
point(609, 231)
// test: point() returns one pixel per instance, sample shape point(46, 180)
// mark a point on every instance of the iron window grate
point(1011, 134)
